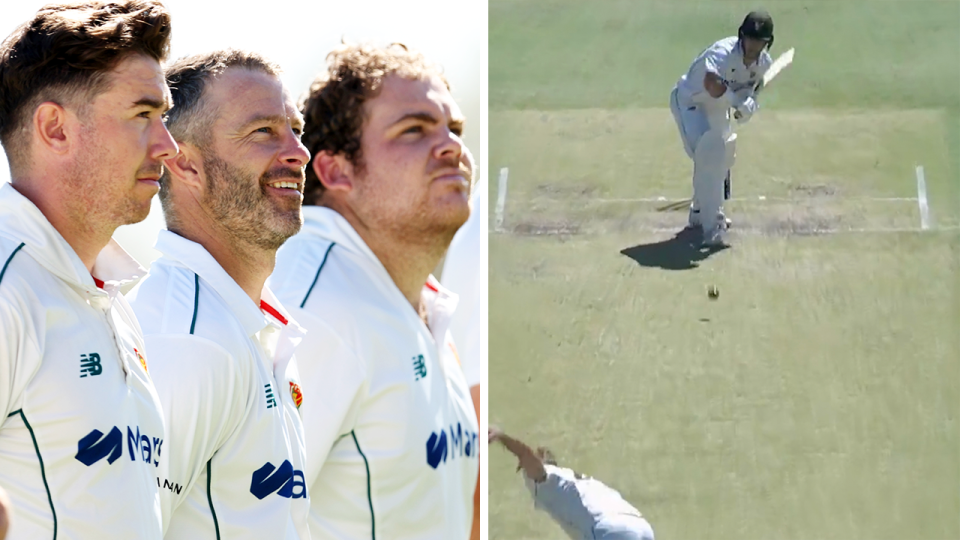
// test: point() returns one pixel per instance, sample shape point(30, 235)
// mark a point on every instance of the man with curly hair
point(392, 434)
point(82, 99)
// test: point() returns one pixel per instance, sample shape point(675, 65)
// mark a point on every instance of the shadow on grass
point(682, 252)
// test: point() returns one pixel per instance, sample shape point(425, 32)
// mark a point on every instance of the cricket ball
point(713, 292)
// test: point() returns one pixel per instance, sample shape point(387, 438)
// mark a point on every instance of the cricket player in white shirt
point(725, 77)
point(391, 431)
point(222, 345)
point(586, 508)
point(82, 98)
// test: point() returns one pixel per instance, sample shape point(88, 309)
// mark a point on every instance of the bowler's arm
point(530, 462)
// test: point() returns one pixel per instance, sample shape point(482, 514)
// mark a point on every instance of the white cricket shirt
point(724, 58)
point(226, 375)
point(82, 429)
point(576, 504)
point(465, 273)
point(391, 429)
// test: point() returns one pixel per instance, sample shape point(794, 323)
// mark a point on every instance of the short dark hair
point(190, 121)
point(333, 107)
point(64, 55)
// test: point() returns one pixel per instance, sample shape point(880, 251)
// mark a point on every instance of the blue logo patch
point(460, 443)
point(95, 446)
point(284, 480)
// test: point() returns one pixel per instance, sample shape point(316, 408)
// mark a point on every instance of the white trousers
point(709, 141)
point(622, 527)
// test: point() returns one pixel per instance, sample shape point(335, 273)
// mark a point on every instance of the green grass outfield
point(818, 397)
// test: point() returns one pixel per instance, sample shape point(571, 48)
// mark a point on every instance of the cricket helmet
point(757, 25)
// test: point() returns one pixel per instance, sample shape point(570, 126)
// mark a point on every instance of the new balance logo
point(271, 401)
point(90, 365)
point(95, 446)
point(419, 367)
point(285, 481)
point(462, 443)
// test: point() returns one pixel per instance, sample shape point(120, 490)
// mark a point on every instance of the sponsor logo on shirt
point(95, 446)
point(296, 393)
point(90, 365)
point(419, 367)
point(460, 443)
point(173, 487)
point(271, 401)
point(284, 480)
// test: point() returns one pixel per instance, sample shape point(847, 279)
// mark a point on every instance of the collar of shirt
point(253, 318)
point(738, 54)
point(113, 267)
point(440, 303)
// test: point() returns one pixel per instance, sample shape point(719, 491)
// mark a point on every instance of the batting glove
point(746, 109)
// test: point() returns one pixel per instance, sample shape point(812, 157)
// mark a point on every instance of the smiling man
point(82, 98)
point(221, 344)
point(391, 430)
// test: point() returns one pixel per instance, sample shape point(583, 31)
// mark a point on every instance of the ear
point(334, 171)
point(187, 166)
point(50, 125)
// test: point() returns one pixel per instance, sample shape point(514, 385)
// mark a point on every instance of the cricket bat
point(776, 67)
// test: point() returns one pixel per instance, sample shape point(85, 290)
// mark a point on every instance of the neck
point(82, 234)
point(247, 264)
point(408, 258)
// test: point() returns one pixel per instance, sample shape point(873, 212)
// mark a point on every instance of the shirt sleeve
point(710, 61)
point(550, 493)
point(333, 380)
point(205, 397)
point(19, 355)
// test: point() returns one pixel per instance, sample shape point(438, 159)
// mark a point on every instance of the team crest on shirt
point(143, 361)
point(296, 393)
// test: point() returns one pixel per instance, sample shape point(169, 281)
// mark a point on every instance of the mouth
point(287, 187)
point(451, 175)
point(150, 180)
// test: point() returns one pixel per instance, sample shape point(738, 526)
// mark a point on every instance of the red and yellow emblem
point(455, 353)
point(143, 361)
point(296, 393)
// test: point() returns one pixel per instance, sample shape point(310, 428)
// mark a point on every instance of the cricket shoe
point(693, 219)
point(716, 236)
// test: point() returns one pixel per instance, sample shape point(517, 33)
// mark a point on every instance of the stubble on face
point(98, 200)
point(395, 184)
point(238, 202)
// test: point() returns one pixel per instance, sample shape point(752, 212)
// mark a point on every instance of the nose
point(294, 152)
point(450, 148)
point(162, 144)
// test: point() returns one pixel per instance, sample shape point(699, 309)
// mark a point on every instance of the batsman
point(720, 87)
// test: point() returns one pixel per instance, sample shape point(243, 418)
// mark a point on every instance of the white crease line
point(501, 199)
point(922, 199)
point(754, 231)
point(759, 198)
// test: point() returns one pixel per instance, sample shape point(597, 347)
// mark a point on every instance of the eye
point(264, 130)
point(413, 129)
point(457, 130)
point(145, 114)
